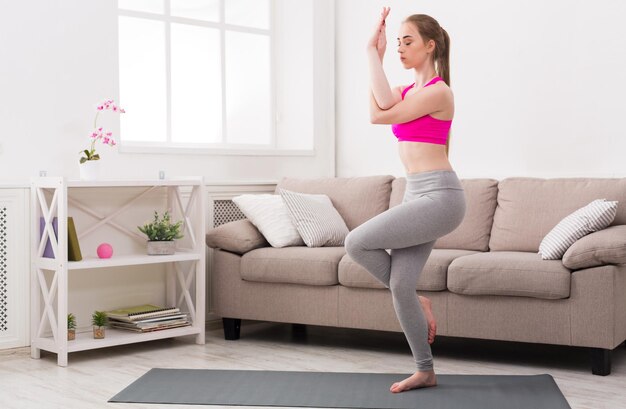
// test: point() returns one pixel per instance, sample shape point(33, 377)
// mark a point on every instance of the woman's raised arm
point(375, 53)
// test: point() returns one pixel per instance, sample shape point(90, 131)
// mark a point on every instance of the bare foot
point(420, 379)
point(430, 318)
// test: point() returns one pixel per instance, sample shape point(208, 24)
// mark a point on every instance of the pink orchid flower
point(98, 133)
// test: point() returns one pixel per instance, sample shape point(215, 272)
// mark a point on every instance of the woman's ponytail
point(443, 58)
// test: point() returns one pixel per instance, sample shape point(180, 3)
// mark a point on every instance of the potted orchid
point(89, 162)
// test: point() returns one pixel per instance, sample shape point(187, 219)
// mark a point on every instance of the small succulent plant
point(71, 321)
point(99, 318)
point(162, 229)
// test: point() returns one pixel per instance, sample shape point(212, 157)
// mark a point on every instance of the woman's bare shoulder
point(444, 88)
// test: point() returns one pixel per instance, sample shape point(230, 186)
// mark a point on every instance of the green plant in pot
point(99, 320)
point(71, 327)
point(161, 234)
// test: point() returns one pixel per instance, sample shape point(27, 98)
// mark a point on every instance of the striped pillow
point(315, 218)
point(595, 216)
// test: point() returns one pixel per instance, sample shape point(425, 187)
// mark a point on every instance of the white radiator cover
point(14, 268)
point(224, 211)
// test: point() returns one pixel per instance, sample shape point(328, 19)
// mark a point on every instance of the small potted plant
point(71, 327)
point(99, 320)
point(161, 234)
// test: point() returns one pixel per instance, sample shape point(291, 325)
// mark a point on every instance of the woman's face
point(411, 47)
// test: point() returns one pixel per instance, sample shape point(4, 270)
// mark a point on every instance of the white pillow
point(316, 219)
point(270, 215)
point(595, 216)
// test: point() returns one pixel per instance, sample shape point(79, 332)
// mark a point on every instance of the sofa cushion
point(432, 278)
point(294, 265)
point(239, 236)
point(607, 246)
point(357, 199)
point(528, 208)
point(473, 232)
point(509, 273)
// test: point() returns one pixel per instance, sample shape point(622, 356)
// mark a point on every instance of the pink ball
point(105, 250)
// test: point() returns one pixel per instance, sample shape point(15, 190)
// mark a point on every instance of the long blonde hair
point(429, 29)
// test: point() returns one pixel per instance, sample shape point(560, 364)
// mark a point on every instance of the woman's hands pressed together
point(378, 41)
point(382, 96)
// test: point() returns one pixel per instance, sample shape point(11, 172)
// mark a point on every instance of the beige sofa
point(485, 279)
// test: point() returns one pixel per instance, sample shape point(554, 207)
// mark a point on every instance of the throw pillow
point(595, 216)
point(315, 218)
point(270, 215)
point(607, 246)
point(239, 236)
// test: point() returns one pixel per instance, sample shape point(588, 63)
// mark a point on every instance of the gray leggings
point(433, 206)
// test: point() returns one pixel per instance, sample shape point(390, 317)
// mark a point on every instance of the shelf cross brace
point(185, 211)
point(48, 296)
point(108, 219)
point(185, 284)
point(48, 232)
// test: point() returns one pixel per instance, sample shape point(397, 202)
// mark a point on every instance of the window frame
point(223, 147)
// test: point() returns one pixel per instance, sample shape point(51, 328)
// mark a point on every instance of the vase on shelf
point(98, 332)
point(159, 248)
point(89, 170)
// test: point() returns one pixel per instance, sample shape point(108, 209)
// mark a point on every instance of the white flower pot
point(156, 248)
point(90, 170)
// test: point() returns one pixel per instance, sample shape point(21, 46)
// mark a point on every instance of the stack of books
point(147, 318)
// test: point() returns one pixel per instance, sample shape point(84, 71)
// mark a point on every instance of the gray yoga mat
point(340, 390)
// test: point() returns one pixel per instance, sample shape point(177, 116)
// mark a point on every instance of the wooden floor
point(93, 377)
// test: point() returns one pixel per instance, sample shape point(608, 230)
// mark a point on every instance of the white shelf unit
point(51, 197)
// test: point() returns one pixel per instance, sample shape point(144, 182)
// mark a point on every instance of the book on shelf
point(147, 318)
point(149, 325)
point(179, 320)
point(154, 319)
point(73, 247)
point(149, 321)
point(151, 329)
point(141, 312)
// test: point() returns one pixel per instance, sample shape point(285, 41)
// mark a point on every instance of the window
point(197, 73)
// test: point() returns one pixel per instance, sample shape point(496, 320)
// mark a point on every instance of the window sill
point(227, 151)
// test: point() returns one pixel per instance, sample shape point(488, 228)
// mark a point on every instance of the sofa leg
point(299, 329)
point(600, 361)
point(231, 328)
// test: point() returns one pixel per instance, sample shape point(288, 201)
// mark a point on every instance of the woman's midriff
point(423, 156)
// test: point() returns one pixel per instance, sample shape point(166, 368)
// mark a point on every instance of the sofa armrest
point(606, 246)
point(239, 236)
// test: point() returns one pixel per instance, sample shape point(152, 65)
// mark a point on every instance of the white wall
point(538, 87)
point(59, 59)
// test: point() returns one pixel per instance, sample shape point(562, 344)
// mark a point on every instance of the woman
point(434, 200)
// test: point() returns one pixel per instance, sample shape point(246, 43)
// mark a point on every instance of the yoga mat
point(340, 390)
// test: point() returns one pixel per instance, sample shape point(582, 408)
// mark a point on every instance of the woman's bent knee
point(351, 243)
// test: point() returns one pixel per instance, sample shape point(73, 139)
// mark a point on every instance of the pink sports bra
point(425, 128)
